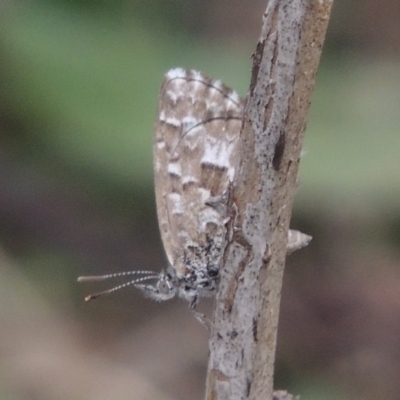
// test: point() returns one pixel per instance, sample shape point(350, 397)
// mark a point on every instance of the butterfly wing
point(195, 155)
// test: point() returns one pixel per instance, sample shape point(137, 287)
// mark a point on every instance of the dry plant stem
point(243, 337)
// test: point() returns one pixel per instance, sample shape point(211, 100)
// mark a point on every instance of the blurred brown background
point(79, 83)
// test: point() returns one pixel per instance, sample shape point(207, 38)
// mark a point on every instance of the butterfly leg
point(199, 316)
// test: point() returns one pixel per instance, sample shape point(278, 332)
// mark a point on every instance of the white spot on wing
point(189, 179)
point(173, 95)
point(234, 97)
point(217, 154)
point(173, 121)
point(197, 75)
point(177, 204)
point(176, 73)
point(217, 85)
point(189, 122)
point(174, 168)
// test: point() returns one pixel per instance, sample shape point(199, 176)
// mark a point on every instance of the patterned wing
point(195, 154)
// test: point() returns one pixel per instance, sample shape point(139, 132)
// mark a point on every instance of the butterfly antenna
point(114, 289)
point(94, 278)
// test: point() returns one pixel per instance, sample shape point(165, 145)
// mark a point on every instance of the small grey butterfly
point(195, 155)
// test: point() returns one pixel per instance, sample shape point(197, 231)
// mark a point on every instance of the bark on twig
point(243, 338)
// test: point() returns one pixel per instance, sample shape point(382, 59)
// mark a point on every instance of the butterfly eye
point(164, 286)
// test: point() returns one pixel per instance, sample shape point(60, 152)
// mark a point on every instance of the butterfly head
point(164, 288)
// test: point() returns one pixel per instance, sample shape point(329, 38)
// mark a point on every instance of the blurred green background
point(79, 86)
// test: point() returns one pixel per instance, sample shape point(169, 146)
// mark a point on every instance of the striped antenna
point(94, 278)
point(150, 275)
